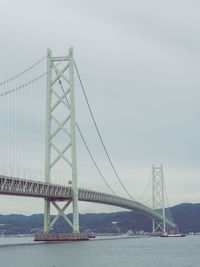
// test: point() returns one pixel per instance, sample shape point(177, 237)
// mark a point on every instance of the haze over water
point(102, 252)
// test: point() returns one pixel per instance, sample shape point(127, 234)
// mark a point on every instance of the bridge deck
point(29, 188)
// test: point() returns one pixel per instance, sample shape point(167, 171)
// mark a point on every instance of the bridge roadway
point(30, 188)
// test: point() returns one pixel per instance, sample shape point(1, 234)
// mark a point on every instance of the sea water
point(102, 251)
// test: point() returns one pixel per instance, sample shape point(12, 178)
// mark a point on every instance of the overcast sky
point(140, 62)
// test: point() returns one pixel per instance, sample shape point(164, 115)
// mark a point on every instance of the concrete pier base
point(61, 237)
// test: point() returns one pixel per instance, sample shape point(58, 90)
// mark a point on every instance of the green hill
point(186, 216)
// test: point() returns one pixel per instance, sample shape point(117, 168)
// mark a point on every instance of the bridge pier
point(61, 237)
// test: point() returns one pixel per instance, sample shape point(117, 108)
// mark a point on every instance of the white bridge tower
point(158, 198)
point(60, 93)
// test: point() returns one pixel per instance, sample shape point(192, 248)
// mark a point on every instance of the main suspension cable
point(93, 160)
point(98, 132)
point(23, 85)
point(84, 141)
point(23, 72)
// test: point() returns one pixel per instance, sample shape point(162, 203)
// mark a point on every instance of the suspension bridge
point(60, 155)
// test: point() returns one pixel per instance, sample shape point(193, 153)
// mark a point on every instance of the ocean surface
point(100, 252)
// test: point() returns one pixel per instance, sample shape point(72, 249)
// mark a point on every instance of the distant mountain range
point(186, 216)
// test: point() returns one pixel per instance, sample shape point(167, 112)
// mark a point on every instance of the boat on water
point(91, 236)
point(172, 235)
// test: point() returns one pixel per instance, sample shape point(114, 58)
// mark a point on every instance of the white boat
point(172, 235)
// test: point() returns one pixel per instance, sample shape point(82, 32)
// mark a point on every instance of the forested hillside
point(186, 216)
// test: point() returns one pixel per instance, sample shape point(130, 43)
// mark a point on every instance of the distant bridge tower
point(60, 94)
point(158, 197)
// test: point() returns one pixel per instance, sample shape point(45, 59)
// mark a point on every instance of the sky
point(139, 62)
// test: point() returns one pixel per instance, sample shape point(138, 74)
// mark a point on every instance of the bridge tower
point(158, 197)
point(60, 92)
